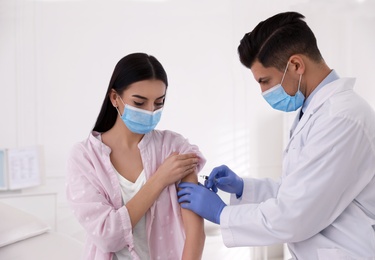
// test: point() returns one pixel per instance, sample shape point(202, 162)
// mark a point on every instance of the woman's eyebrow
point(141, 97)
point(138, 96)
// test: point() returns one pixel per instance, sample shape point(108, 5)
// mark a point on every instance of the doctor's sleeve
point(256, 191)
point(337, 170)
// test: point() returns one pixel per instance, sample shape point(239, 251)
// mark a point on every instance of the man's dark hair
point(274, 40)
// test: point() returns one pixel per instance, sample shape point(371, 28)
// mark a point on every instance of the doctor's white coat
point(324, 204)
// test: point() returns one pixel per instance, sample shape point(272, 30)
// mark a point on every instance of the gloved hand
point(200, 200)
point(225, 179)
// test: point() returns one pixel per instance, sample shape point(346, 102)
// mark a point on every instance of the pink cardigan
point(94, 194)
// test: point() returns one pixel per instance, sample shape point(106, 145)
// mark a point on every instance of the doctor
point(324, 205)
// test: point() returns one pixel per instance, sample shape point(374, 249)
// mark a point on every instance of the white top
point(128, 190)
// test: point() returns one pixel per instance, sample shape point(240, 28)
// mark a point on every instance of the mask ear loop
point(286, 68)
point(122, 103)
point(118, 112)
point(299, 83)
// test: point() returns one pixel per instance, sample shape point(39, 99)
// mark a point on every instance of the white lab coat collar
point(318, 100)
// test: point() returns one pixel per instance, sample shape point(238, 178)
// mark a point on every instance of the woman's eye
point(138, 103)
point(160, 102)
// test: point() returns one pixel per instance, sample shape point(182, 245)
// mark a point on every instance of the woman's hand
point(176, 167)
point(173, 169)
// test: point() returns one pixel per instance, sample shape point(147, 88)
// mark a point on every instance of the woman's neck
point(120, 136)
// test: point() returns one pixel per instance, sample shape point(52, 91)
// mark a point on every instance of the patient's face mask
point(280, 100)
point(138, 120)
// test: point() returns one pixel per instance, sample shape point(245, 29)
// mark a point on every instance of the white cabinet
point(37, 201)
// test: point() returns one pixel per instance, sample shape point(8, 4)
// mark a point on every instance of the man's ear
point(297, 64)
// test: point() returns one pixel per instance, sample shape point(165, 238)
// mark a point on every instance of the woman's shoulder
point(171, 139)
point(175, 142)
point(87, 145)
point(166, 134)
point(78, 150)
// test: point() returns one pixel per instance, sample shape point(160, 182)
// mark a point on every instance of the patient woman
point(121, 181)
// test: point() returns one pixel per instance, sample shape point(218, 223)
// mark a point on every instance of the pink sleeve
point(178, 143)
point(90, 195)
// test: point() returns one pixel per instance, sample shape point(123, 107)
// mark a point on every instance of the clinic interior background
point(57, 57)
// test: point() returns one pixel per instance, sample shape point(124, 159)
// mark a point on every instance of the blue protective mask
point(138, 120)
point(280, 100)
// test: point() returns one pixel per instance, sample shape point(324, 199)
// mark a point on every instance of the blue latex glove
point(226, 180)
point(200, 200)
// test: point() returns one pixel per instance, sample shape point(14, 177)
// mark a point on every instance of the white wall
point(56, 59)
point(58, 56)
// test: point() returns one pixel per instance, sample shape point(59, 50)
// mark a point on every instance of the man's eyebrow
point(141, 97)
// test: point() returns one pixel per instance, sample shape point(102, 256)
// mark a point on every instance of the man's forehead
point(259, 71)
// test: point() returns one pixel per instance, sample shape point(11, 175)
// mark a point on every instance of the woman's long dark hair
point(130, 69)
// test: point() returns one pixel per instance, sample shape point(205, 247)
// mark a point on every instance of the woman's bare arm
point(194, 229)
